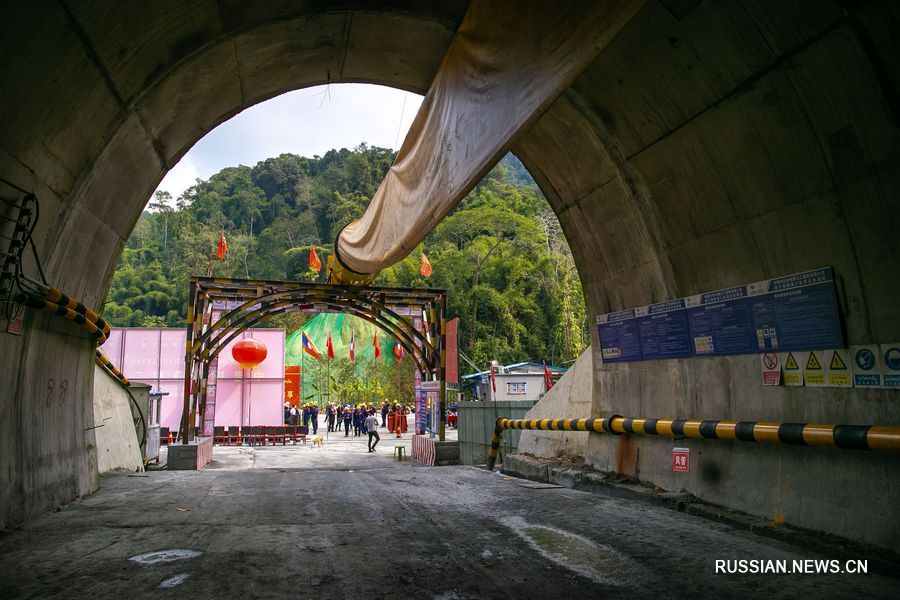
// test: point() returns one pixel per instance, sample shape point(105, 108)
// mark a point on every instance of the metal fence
point(476, 425)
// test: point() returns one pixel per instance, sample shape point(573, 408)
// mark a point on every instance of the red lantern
point(249, 353)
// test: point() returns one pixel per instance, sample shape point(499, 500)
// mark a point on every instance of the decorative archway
point(220, 309)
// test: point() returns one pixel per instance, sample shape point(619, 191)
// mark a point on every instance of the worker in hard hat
point(314, 417)
point(348, 418)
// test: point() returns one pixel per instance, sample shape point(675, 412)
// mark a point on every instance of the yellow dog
point(318, 440)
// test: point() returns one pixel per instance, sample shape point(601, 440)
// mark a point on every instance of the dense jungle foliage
point(500, 254)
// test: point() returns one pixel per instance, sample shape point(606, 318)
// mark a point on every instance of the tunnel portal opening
point(220, 309)
point(707, 145)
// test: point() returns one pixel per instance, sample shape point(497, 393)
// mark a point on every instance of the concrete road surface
point(339, 522)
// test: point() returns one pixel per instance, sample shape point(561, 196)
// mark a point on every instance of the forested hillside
point(500, 253)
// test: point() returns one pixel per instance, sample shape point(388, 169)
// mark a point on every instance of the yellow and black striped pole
point(107, 364)
point(876, 438)
point(57, 303)
point(68, 313)
point(111, 368)
point(57, 297)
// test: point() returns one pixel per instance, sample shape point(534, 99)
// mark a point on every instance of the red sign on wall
point(771, 368)
point(452, 366)
point(681, 460)
point(292, 385)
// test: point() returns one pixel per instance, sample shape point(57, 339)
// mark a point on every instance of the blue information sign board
point(721, 322)
point(797, 312)
point(619, 336)
point(664, 331)
point(421, 411)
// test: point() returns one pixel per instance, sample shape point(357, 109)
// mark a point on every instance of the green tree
point(500, 254)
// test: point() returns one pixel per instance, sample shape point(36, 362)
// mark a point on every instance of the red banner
point(292, 385)
point(452, 367)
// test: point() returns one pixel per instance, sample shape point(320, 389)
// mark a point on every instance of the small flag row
point(310, 348)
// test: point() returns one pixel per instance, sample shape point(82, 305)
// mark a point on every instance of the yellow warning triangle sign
point(837, 363)
point(812, 363)
point(791, 364)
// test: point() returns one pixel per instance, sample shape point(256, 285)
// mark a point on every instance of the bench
point(234, 435)
point(219, 436)
point(253, 435)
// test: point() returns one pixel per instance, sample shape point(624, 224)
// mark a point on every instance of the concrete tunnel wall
point(710, 144)
point(716, 146)
point(100, 100)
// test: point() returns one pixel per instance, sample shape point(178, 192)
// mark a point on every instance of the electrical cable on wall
point(22, 290)
point(23, 219)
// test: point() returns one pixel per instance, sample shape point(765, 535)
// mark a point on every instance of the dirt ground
point(339, 522)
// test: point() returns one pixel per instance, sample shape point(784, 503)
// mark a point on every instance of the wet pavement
point(339, 522)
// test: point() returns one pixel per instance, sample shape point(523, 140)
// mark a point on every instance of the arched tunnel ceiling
point(717, 145)
point(673, 160)
point(709, 144)
point(106, 97)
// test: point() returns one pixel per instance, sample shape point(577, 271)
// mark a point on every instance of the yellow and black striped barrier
point(876, 438)
point(57, 303)
point(107, 364)
point(57, 297)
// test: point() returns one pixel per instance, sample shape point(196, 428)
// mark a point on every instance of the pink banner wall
point(156, 357)
point(240, 402)
point(112, 348)
point(141, 359)
point(229, 403)
point(171, 405)
point(271, 368)
point(171, 362)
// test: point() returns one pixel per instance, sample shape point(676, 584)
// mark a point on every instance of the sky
point(306, 122)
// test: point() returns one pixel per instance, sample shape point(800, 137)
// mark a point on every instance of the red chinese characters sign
point(292, 385)
point(681, 460)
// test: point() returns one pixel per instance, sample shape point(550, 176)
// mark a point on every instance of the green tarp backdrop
point(341, 326)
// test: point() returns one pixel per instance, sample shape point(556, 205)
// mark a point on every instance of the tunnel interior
point(707, 145)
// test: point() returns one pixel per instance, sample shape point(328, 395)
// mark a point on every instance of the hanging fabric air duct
point(506, 65)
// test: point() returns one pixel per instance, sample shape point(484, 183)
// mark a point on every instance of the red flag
point(329, 346)
point(425, 267)
point(314, 263)
point(352, 346)
point(375, 343)
point(493, 379)
point(547, 377)
point(222, 248)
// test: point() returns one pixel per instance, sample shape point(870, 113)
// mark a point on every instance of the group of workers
point(309, 413)
point(338, 414)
